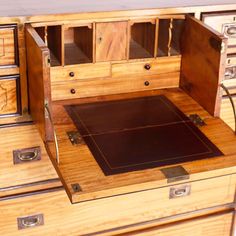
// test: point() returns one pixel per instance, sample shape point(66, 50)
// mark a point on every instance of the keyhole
point(100, 39)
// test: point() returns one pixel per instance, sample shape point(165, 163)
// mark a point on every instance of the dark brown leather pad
point(139, 133)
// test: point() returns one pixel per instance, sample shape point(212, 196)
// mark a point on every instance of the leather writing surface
point(136, 134)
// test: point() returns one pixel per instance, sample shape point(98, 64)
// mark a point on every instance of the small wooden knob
point(71, 74)
point(147, 66)
point(73, 91)
point(146, 83)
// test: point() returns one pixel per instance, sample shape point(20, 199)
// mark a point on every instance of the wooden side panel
point(7, 45)
point(39, 81)
point(9, 95)
point(215, 225)
point(111, 41)
point(203, 64)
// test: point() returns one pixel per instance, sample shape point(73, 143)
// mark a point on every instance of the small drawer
point(8, 45)
point(146, 68)
point(224, 23)
point(24, 163)
point(108, 213)
point(80, 72)
point(9, 96)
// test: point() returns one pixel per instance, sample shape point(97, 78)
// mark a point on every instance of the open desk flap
point(203, 58)
point(39, 81)
point(139, 133)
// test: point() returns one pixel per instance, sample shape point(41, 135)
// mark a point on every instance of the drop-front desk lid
point(140, 133)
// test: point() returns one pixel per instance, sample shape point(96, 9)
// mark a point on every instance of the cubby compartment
point(142, 40)
point(78, 44)
point(169, 35)
point(52, 37)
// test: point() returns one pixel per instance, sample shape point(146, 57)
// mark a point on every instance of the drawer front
point(146, 68)
point(9, 95)
point(223, 23)
point(226, 113)
point(84, 71)
point(24, 163)
point(109, 213)
point(8, 45)
point(97, 87)
point(215, 225)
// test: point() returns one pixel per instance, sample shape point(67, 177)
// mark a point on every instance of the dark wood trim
point(32, 193)
point(29, 184)
point(218, 210)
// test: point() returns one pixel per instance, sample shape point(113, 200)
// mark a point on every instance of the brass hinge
point(75, 138)
point(197, 120)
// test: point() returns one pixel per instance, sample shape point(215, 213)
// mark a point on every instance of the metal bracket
point(197, 120)
point(76, 188)
point(174, 174)
point(75, 138)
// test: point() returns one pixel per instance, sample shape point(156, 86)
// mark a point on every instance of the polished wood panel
point(158, 66)
point(107, 214)
point(26, 176)
point(9, 95)
point(203, 64)
point(83, 71)
point(84, 170)
point(213, 225)
point(39, 82)
point(106, 86)
point(111, 41)
point(8, 46)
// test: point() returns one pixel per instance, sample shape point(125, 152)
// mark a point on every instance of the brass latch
point(75, 138)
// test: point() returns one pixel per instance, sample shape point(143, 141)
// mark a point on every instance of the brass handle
point(180, 191)
point(30, 221)
point(54, 133)
point(231, 101)
point(28, 156)
point(230, 72)
point(231, 31)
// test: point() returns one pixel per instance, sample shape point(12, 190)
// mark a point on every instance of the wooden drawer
point(83, 71)
point(9, 95)
point(214, 225)
point(226, 113)
point(8, 45)
point(109, 213)
point(98, 87)
point(28, 169)
point(224, 23)
point(147, 67)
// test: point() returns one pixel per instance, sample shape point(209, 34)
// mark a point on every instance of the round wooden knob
point(147, 66)
point(73, 91)
point(146, 83)
point(71, 74)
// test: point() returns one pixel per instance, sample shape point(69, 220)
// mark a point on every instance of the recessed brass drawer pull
point(26, 155)
point(229, 30)
point(180, 191)
point(30, 221)
point(230, 72)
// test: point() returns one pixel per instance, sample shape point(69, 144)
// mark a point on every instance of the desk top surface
point(10, 8)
